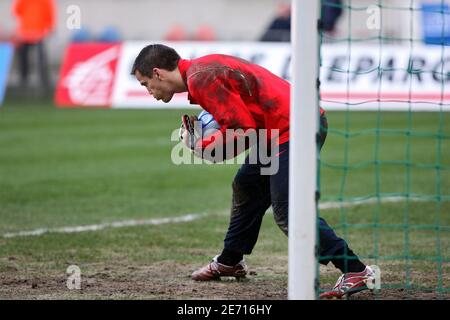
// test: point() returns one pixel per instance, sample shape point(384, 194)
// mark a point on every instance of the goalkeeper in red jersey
point(245, 96)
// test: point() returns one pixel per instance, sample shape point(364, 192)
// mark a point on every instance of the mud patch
point(170, 280)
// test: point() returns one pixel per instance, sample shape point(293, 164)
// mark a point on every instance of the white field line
point(346, 204)
point(185, 218)
point(101, 226)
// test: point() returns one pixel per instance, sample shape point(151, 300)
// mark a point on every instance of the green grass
point(65, 167)
point(80, 167)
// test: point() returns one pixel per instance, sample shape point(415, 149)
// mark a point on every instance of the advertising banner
point(355, 77)
point(129, 93)
point(436, 23)
point(87, 75)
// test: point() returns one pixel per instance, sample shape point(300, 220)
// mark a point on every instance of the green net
point(384, 173)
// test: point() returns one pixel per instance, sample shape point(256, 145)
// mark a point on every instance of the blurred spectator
point(331, 11)
point(204, 33)
point(176, 33)
point(280, 28)
point(35, 20)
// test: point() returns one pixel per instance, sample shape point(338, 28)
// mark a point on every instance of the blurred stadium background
point(158, 20)
point(91, 187)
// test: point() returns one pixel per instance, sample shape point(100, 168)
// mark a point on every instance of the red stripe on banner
point(343, 95)
point(136, 93)
point(145, 94)
point(386, 96)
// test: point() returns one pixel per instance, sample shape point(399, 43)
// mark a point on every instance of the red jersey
point(239, 94)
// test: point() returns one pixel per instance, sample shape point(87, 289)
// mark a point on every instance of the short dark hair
point(155, 56)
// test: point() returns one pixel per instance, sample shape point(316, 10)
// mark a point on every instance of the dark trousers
point(24, 52)
point(254, 193)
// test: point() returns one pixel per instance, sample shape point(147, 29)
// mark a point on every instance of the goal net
point(384, 171)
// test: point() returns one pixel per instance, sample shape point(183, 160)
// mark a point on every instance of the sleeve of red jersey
point(227, 107)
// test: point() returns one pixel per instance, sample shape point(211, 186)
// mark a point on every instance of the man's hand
point(187, 130)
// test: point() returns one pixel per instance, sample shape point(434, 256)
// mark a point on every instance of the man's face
point(157, 86)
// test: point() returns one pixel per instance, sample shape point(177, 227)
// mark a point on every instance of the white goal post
point(303, 150)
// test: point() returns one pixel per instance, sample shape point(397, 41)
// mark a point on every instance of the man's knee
point(245, 195)
point(242, 191)
point(238, 183)
point(244, 183)
point(280, 214)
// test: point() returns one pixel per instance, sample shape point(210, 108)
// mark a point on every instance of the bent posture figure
point(242, 95)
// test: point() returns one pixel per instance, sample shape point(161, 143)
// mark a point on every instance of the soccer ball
point(209, 124)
